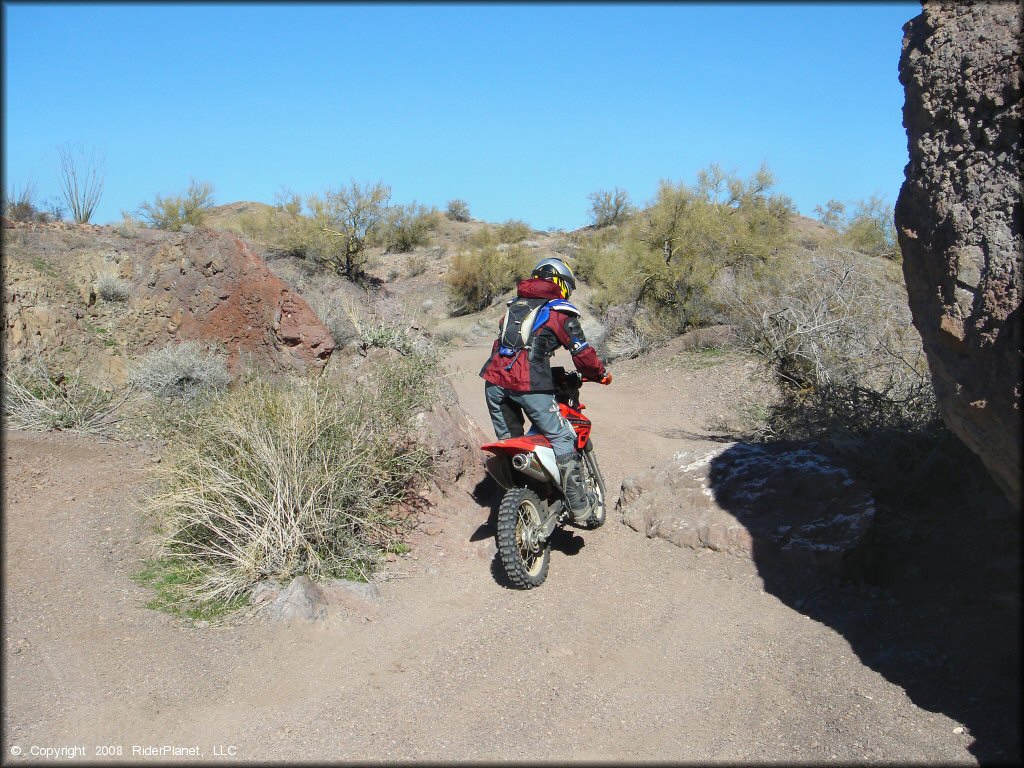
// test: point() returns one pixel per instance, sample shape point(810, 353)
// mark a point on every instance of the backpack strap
point(561, 305)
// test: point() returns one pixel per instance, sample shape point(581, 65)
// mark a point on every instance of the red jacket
point(530, 371)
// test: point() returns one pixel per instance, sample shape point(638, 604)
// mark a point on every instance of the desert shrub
point(869, 228)
point(177, 211)
point(113, 289)
point(591, 248)
point(19, 204)
point(128, 227)
point(627, 342)
point(872, 229)
point(405, 227)
point(296, 477)
point(182, 370)
point(835, 319)
point(484, 271)
point(35, 399)
point(838, 339)
point(284, 229)
point(396, 332)
point(447, 332)
point(82, 176)
point(512, 231)
point(417, 265)
point(332, 230)
point(458, 210)
point(609, 207)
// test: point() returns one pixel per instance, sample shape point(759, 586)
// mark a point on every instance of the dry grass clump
point(113, 289)
point(336, 317)
point(279, 479)
point(417, 265)
point(627, 343)
point(34, 399)
point(397, 331)
point(181, 370)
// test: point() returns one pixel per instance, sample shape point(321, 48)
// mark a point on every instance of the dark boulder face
point(958, 219)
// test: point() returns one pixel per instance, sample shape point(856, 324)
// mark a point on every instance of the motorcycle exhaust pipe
point(528, 465)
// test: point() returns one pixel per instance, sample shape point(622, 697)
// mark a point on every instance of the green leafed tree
point(674, 249)
point(608, 207)
point(872, 229)
point(868, 228)
point(344, 219)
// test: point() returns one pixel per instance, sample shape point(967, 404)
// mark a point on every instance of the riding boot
point(575, 491)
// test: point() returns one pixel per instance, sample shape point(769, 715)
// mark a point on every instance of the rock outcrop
point(781, 505)
point(201, 285)
point(959, 218)
point(215, 289)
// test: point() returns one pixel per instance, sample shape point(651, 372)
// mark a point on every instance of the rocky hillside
point(92, 298)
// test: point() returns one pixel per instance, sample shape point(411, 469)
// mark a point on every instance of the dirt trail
point(633, 649)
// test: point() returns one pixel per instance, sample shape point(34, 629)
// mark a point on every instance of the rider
point(518, 373)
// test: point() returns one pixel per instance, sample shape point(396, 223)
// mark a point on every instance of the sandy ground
point(634, 650)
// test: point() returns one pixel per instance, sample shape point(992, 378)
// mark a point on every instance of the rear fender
point(499, 465)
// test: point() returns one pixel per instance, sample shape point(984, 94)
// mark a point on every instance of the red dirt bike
point(534, 503)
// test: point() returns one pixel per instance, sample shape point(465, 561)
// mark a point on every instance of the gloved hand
point(606, 379)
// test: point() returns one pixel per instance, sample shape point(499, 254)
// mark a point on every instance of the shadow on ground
point(937, 611)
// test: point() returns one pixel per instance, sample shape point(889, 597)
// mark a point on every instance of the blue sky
point(521, 110)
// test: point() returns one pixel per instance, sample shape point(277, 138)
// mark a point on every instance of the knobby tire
point(519, 509)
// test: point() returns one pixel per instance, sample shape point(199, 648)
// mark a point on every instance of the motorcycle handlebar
point(563, 377)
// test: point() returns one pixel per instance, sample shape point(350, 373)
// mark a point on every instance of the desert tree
point(832, 214)
point(869, 227)
point(82, 175)
point(344, 219)
point(609, 207)
point(458, 210)
point(872, 229)
point(405, 227)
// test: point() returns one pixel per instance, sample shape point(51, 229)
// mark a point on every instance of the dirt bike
point(534, 503)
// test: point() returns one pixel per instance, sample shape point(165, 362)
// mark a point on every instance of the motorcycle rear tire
point(519, 515)
point(593, 478)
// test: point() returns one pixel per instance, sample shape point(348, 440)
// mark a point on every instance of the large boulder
point(782, 506)
point(959, 219)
